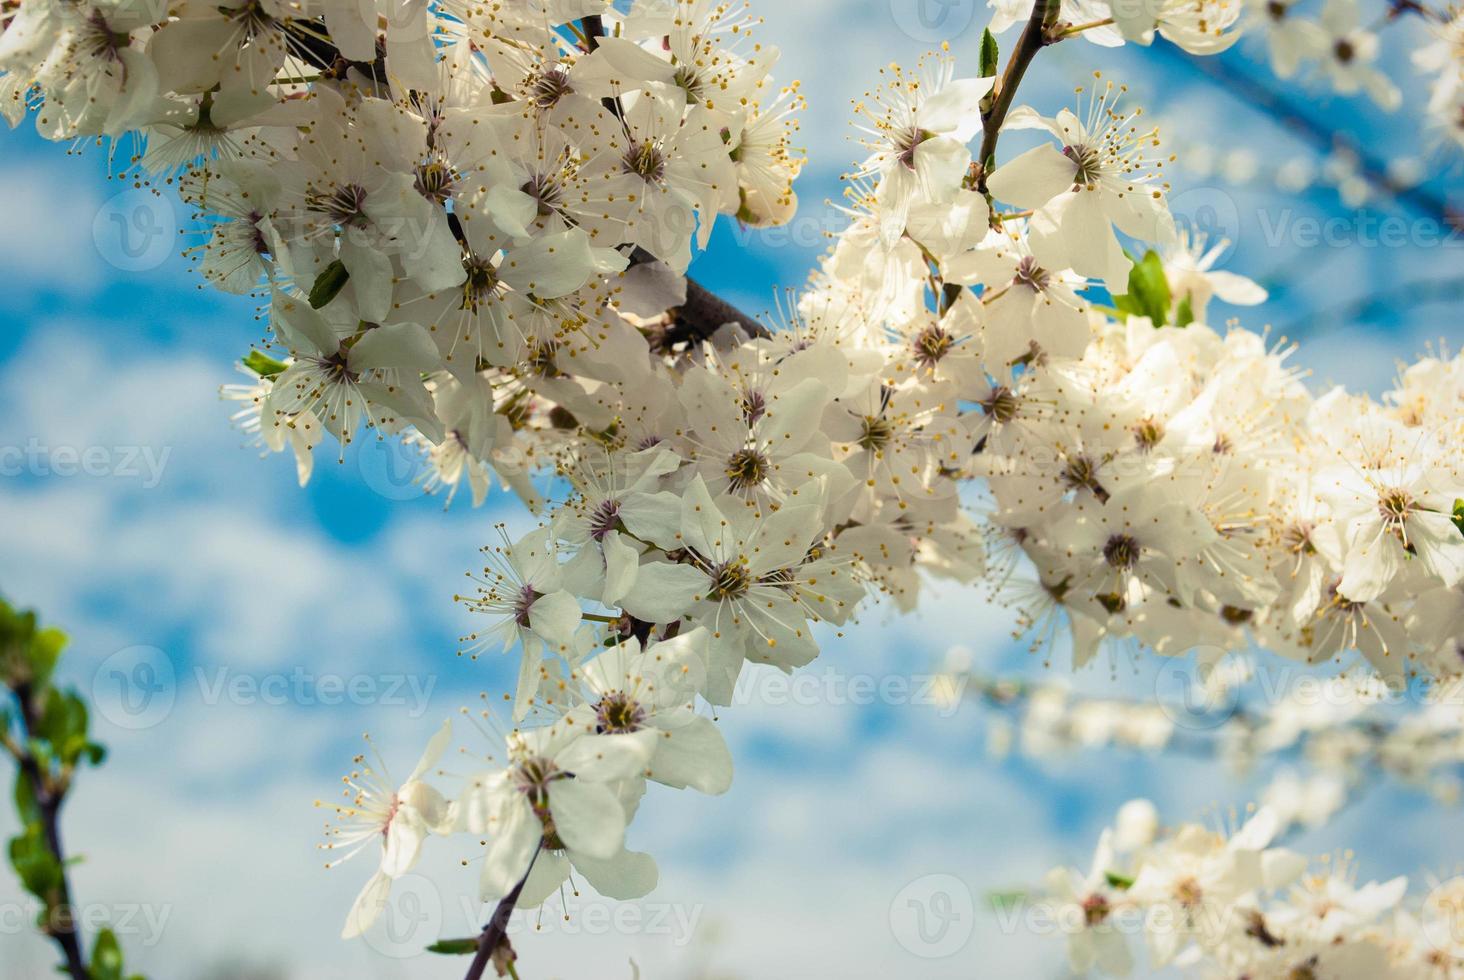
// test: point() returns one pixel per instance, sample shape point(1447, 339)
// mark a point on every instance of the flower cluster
point(1444, 60)
point(559, 795)
point(1338, 45)
point(472, 222)
point(1235, 904)
point(1320, 740)
point(1201, 27)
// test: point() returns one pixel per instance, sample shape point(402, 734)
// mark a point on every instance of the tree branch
point(495, 933)
point(703, 313)
point(1246, 89)
point(60, 921)
point(1035, 36)
point(594, 28)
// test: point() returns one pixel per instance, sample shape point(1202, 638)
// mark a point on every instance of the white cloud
point(48, 227)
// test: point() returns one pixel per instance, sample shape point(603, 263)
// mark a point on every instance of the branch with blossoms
point(473, 226)
point(1341, 732)
point(1231, 903)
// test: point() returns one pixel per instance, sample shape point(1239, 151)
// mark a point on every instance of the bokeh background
point(239, 634)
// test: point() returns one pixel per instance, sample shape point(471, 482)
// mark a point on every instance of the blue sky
point(190, 557)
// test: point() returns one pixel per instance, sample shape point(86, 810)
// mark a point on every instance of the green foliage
point(28, 654)
point(35, 865)
point(1184, 314)
point(263, 365)
point(1459, 515)
point(25, 799)
point(990, 54)
point(455, 947)
point(1115, 880)
point(329, 283)
point(63, 724)
point(1006, 901)
point(45, 730)
point(106, 961)
point(1148, 293)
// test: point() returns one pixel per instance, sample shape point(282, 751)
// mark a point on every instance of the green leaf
point(63, 723)
point(1002, 901)
point(455, 947)
point(263, 365)
point(328, 284)
point(25, 799)
point(1148, 293)
point(106, 962)
point(27, 655)
point(1115, 880)
point(1184, 314)
point(990, 54)
point(45, 651)
point(1126, 306)
point(1459, 515)
point(34, 864)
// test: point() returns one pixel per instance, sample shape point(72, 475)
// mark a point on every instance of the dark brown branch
point(60, 919)
point(703, 313)
point(594, 29)
point(317, 49)
point(1035, 36)
point(495, 933)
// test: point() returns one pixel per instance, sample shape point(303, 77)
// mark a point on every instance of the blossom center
point(730, 580)
point(1148, 432)
point(1088, 162)
point(646, 161)
point(1121, 551)
point(434, 180)
point(1002, 404)
point(746, 468)
point(343, 205)
point(604, 519)
point(549, 86)
point(1188, 892)
point(754, 406)
point(1081, 473)
point(1031, 275)
point(619, 714)
point(1395, 505)
point(876, 433)
point(1095, 910)
point(527, 596)
point(481, 283)
point(545, 190)
point(931, 345)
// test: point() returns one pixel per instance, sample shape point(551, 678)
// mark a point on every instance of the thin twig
point(1035, 36)
point(495, 933)
point(60, 922)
